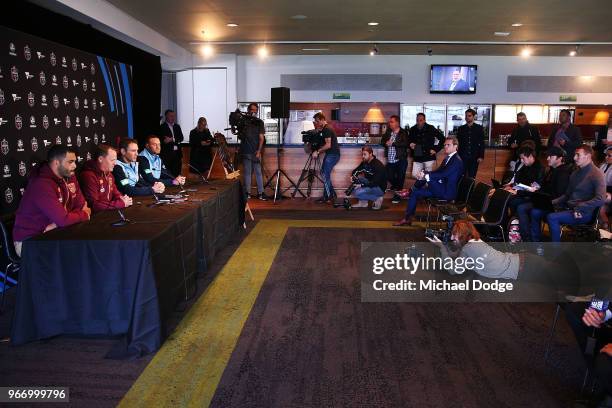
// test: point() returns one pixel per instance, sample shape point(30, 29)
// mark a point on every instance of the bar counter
point(293, 158)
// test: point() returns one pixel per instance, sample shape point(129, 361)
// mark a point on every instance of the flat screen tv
point(453, 79)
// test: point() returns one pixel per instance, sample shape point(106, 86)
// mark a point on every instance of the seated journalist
point(372, 177)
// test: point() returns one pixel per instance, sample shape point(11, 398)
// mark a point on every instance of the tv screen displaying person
point(457, 83)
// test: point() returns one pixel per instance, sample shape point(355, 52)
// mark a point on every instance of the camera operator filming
point(369, 180)
point(332, 156)
point(250, 130)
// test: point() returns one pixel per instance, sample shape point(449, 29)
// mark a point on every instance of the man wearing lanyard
point(127, 176)
point(171, 135)
point(151, 165)
point(395, 141)
point(98, 184)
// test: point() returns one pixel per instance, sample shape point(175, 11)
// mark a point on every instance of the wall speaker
point(335, 114)
point(280, 103)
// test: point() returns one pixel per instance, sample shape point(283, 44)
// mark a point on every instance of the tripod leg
point(303, 177)
point(211, 165)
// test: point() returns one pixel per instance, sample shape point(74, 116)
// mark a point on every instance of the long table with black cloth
point(100, 280)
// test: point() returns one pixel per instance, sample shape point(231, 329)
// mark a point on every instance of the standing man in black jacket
point(471, 143)
point(395, 141)
point(425, 142)
point(523, 132)
point(373, 180)
point(554, 183)
point(565, 135)
point(171, 137)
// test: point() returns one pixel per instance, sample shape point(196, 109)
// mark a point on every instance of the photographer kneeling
point(371, 175)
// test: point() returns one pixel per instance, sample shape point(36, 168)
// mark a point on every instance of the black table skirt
point(95, 279)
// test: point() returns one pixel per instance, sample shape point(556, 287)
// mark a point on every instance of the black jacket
point(142, 188)
point(471, 142)
point(379, 177)
point(401, 143)
point(144, 170)
point(200, 156)
point(574, 136)
point(425, 140)
point(529, 174)
point(167, 149)
point(524, 133)
point(555, 181)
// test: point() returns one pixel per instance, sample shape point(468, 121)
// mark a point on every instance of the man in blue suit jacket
point(440, 183)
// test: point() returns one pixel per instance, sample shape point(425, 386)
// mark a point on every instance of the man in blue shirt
point(151, 166)
point(127, 177)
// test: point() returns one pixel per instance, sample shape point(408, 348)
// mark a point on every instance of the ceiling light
point(207, 50)
point(526, 52)
point(501, 33)
point(232, 25)
point(262, 52)
point(372, 23)
point(299, 17)
point(517, 24)
point(374, 50)
point(572, 53)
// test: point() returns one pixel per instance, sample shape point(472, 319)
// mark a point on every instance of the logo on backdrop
point(75, 66)
point(53, 59)
point(20, 145)
point(55, 101)
point(84, 85)
point(93, 86)
point(34, 144)
point(58, 140)
point(18, 122)
point(86, 121)
point(68, 141)
point(22, 169)
point(32, 121)
point(14, 74)
point(77, 122)
point(95, 138)
point(31, 100)
point(12, 50)
point(7, 171)
point(102, 121)
point(8, 195)
point(40, 55)
point(28, 75)
point(1, 97)
point(78, 141)
point(76, 102)
point(4, 147)
point(43, 100)
point(45, 122)
point(92, 68)
point(42, 78)
point(27, 53)
point(68, 123)
point(65, 82)
point(64, 62)
point(53, 80)
point(16, 98)
point(94, 104)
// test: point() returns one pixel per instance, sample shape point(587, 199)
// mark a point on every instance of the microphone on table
point(204, 180)
point(122, 218)
point(182, 185)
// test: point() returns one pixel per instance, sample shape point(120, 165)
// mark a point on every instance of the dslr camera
point(443, 235)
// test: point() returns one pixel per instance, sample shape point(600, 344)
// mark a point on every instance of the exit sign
point(342, 95)
point(568, 98)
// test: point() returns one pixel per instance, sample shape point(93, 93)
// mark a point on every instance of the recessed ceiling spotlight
point(501, 33)
point(262, 52)
point(232, 25)
point(517, 24)
point(372, 23)
point(207, 50)
point(574, 52)
point(299, 17)
point(526, 52)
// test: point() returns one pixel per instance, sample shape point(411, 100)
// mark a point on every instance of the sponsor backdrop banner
point(53, 94)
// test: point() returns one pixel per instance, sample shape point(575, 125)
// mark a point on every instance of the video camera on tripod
point(314, 138)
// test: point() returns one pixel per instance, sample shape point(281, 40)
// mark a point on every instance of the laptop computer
point(542, 201)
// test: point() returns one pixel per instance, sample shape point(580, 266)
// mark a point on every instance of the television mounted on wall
point(453, 79)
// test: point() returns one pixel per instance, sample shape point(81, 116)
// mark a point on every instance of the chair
point(14, 261)
point(475, 206)
point(496, 212)
point(464, 188)
point(584, 230)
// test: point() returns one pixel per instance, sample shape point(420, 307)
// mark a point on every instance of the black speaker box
point(280, 103)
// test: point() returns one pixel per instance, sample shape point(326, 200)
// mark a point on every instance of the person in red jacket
point(98, 183)
point(52, 198)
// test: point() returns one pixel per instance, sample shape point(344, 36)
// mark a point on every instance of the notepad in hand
point(521, 187)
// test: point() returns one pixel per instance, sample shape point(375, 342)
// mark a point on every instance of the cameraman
point(332, 155)
point(372, 176)
point(251, 143)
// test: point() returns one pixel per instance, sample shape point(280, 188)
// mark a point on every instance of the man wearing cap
point(606, 167)
point(554, 183)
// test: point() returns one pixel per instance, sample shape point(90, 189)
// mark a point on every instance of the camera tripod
point(310, 172)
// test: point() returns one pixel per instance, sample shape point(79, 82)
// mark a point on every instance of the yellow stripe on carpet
point(187, 369)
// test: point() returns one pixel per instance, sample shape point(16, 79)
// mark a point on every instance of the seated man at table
point(151, 167)
point(585, 193)
point(98, 183)
point(371, 176)
point(440, 183)
point(127, 176)
point(52, 198)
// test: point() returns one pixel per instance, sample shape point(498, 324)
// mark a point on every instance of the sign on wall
point(52, 94)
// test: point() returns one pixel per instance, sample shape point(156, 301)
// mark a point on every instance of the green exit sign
point(568, 98)
point(342, 95)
